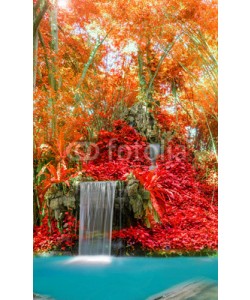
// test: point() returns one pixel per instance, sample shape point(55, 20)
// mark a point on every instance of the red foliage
point(187, 208)
point(162, 237)
point(120, 151)
point(48, 238)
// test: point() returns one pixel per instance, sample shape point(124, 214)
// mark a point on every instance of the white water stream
point(96, 217)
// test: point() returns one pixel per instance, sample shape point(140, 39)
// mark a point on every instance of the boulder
point(196, 290)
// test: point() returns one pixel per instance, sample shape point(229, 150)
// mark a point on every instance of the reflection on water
point(90, 259)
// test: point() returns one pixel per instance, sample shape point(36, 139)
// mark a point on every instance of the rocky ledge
point(198, 290)
point(41, 297)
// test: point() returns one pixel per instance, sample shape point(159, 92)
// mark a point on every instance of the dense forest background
point(136, 72)
point(17, 140)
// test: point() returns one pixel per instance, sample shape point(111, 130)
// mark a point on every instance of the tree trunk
point(54, 47)
point(35, 49)
point(37, 18)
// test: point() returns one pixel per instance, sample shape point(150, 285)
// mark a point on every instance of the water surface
point(126, 278)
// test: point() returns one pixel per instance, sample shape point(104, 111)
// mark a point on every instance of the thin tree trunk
point(86, 67)
point(166, 52)
point(45, 51)
point(142, 79)
point(35, 50)
point(212, 138)
point(54, 47)
point(37, 18)
point(90, 60)
point(54, 41)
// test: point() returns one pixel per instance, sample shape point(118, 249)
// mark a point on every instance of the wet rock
point(67, 201)
point(143, 121)
point(197, 290)
point(145, 195)
point(132, 188)
point(41, 297)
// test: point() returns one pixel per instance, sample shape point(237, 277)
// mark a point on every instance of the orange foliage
point(112, 54)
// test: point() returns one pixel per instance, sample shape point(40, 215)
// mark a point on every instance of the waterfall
point(154, 151)
point(96, 217)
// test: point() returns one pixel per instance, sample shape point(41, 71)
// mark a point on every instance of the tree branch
point(142, 80)
point(38, 18)
point(91, 59)
point(166, 52)
point(45, 50)
point(38, 3)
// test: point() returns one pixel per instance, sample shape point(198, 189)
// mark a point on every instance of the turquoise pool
point(124, 278)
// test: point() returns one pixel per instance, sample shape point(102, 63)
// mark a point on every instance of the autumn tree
point(94, 60)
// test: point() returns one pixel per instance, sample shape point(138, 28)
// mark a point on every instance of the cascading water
point(96, 217)
point(154, 152)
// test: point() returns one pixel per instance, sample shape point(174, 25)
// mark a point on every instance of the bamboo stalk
point(142, 79)
point(45, 51)
point(90, 60)
point(212, 138)
point(165, 53)
point(35, 51)
point(43, 5)
point(38, 18)
point(54, 47)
